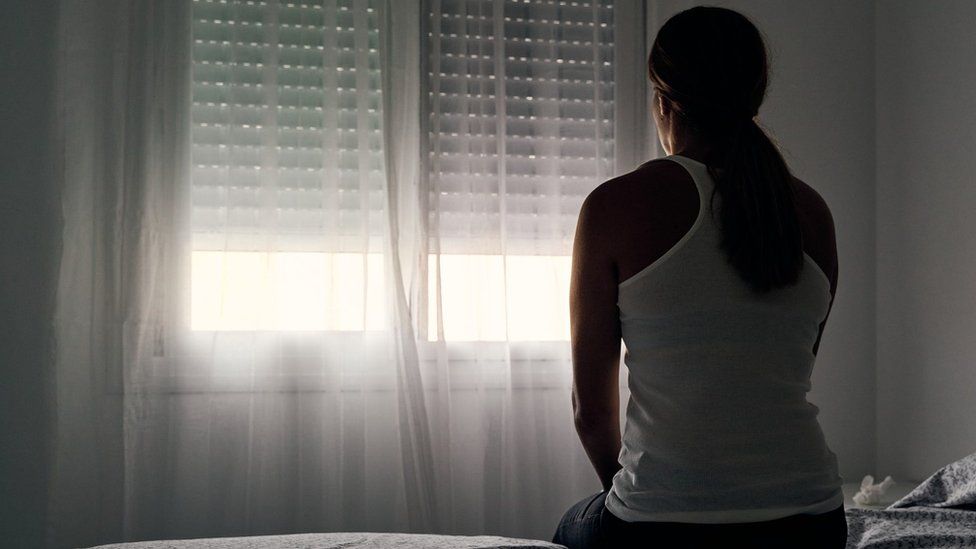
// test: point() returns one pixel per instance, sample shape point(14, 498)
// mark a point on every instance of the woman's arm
point(595, 336)
point(819, 239)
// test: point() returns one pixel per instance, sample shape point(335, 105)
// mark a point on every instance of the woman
point(718, 269)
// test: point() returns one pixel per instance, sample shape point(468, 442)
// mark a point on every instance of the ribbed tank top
point(718, 428)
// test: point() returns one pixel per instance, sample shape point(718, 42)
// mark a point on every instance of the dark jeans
point(589, 524)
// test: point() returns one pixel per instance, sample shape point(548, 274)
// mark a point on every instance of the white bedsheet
point(344, 540)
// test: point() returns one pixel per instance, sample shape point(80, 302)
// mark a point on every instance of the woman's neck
point(694, 152)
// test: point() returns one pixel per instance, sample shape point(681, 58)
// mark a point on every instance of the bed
point(939, 512)
point(344, 540)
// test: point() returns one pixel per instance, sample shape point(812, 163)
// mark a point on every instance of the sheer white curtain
point(519, 123)
point(316, 260)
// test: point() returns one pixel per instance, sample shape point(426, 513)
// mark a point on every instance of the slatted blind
point(286, 143)
point(520, 120)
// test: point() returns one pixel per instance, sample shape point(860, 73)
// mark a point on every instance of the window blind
point(520, 120)
point(286, 142)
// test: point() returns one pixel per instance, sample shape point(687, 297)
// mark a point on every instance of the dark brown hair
point(710, 66)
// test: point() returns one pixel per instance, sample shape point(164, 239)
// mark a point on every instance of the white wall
point(30, 237)
point(926, 235)
point(820, 110)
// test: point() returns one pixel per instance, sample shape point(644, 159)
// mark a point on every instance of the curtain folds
point(399, 49)
point(123, 131)
point(281, 308)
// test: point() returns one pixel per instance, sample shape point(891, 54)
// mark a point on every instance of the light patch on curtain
point(485, 297)
point(286, 291)
point(500, 298)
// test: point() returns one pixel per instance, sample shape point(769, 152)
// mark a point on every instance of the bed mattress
point(345, 540)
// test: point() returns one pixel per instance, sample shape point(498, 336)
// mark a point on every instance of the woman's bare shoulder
point(640, 211)
point(648, 185)
point(809, 195)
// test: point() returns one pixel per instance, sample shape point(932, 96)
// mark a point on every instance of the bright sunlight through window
point(485, 297)
point(286, 291)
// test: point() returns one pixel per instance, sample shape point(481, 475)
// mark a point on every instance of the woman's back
point(720, 290)
point(718, 427)
point(659, 202)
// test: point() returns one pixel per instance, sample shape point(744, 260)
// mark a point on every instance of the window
point(521, 110)
point(287, 166)
point(520, 131)
point(288, 162)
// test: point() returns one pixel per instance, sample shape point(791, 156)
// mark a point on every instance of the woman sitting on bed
point(718, 269)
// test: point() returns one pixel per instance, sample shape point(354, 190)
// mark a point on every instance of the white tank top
point(718, 427)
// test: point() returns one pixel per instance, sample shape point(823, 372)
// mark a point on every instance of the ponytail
point(760, 228)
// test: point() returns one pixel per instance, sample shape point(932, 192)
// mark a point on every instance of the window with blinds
point(287, 143)
point(287, 171)
point(520, 119)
